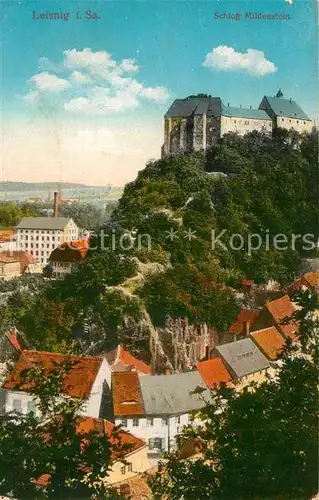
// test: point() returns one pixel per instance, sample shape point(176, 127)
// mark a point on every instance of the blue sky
point(139, 56)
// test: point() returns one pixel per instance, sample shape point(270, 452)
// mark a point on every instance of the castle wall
point(293, 123)
point(199, 134)
point(243, 126)
point(212, 130)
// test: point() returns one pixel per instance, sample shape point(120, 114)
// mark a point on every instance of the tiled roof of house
point(214, 372)
point(171, 394)
point(51, 223)
point(126, 392)
point(77, 383)
point(116, 436)
point(16, 340)
point(73, 251)
point(280, 309)
point(7, 235)
point(244, 316)
point(121, 360)
point(286, 107)
point(269, 341)
point(136, 488)
point(312, 279)
point(24, 258)
point(242, 357)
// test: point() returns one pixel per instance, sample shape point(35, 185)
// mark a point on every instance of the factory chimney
point(56, 204)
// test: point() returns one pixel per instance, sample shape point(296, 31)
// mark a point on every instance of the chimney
point(290, 99)
point(56, 204)
point(246, 328)
point(249, 107)
point(228, 104)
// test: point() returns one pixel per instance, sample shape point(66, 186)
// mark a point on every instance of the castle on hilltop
point(197, 122)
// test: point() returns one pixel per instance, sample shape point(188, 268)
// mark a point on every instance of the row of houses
point(119, 389)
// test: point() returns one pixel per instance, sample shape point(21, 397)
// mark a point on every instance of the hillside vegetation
point(158, 260)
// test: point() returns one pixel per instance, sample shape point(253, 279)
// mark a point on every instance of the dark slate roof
point(195, 105)
point(211, 106)
point(285, 107)
point(43, 223)
point(257, 114)
point(243, 357)
point(170, 394)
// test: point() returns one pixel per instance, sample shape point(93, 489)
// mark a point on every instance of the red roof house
point(214, 372)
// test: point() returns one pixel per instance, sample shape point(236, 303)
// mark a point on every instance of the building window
point(31, 407)
point(123, 470)
point(282, 119)
point(124, 422)
point(150, 422)
point(304, 123)
point(246, 123)
point(129, 467)
point(235, 121)
point(177, 420)
point(164, 421)
point(135, 422)
point(16, 405)
point(297, 121)
point(156, 443)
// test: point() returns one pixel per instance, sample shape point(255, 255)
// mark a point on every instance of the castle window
point(135, 422)
point(235, 121)
point(246, 122)
point(290, 121)
point(304, 123)
point(297, 121)
point(282, 119)
point(123, 470)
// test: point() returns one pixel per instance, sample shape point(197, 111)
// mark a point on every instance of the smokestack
point(56, 204)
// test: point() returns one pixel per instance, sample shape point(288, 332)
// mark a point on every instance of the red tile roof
point(269, 341)
point(18, 256)
point(214, 372)
point(77, 383)
point(244, 316)
point(6, 235)
point(246, 282)
point(73, 251)
point(126, 391)
point(122, 360)
point(280, 309)
point(117, 438)
point(16, 340)
point(312, 279)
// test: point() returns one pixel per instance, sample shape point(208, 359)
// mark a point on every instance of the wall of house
point(297, 124)
point(199, 133)
point(71, 232)
point(8, 245)
point(151, 427)
point(257, 377)
point(61, 269)
point(10, 270)
point(24, 398)
point(93, 403)
point(243, 126)
point(139, 463)
point(39, 242)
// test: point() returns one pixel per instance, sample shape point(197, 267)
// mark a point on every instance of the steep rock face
point(179, 345)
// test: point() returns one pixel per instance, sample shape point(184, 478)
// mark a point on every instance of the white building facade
point(39, 236)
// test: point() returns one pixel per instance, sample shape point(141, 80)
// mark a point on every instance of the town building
point(309, 281)
point(157, 407)
point(286, 114)
point(88, 378)
point(14, 263)
point(8, 240)
point(278, 313)
point(241, 326)
point(39, 236)
point(244, 361)
point(120, 360)
point(214, 373)
point(65, 258)
point(269, 341)
point(197, 122)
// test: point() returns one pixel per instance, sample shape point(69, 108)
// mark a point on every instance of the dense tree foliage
point(11, 213)
point(259, 443)
point(87, 215)
point(74, 463)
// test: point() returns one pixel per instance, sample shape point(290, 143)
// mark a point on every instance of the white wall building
point(39, 236)
point(156, 407)
point(87, 378)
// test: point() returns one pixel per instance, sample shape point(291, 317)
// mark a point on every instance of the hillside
point(160, 284)
point(42, 186)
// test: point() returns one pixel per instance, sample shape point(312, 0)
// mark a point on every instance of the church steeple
point(279, 94)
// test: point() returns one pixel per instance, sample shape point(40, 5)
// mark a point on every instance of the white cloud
point(226, 58)
point(31, 97)
point(50, 83)
point(87, 59)
point(81, 78)
point(101, 85)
